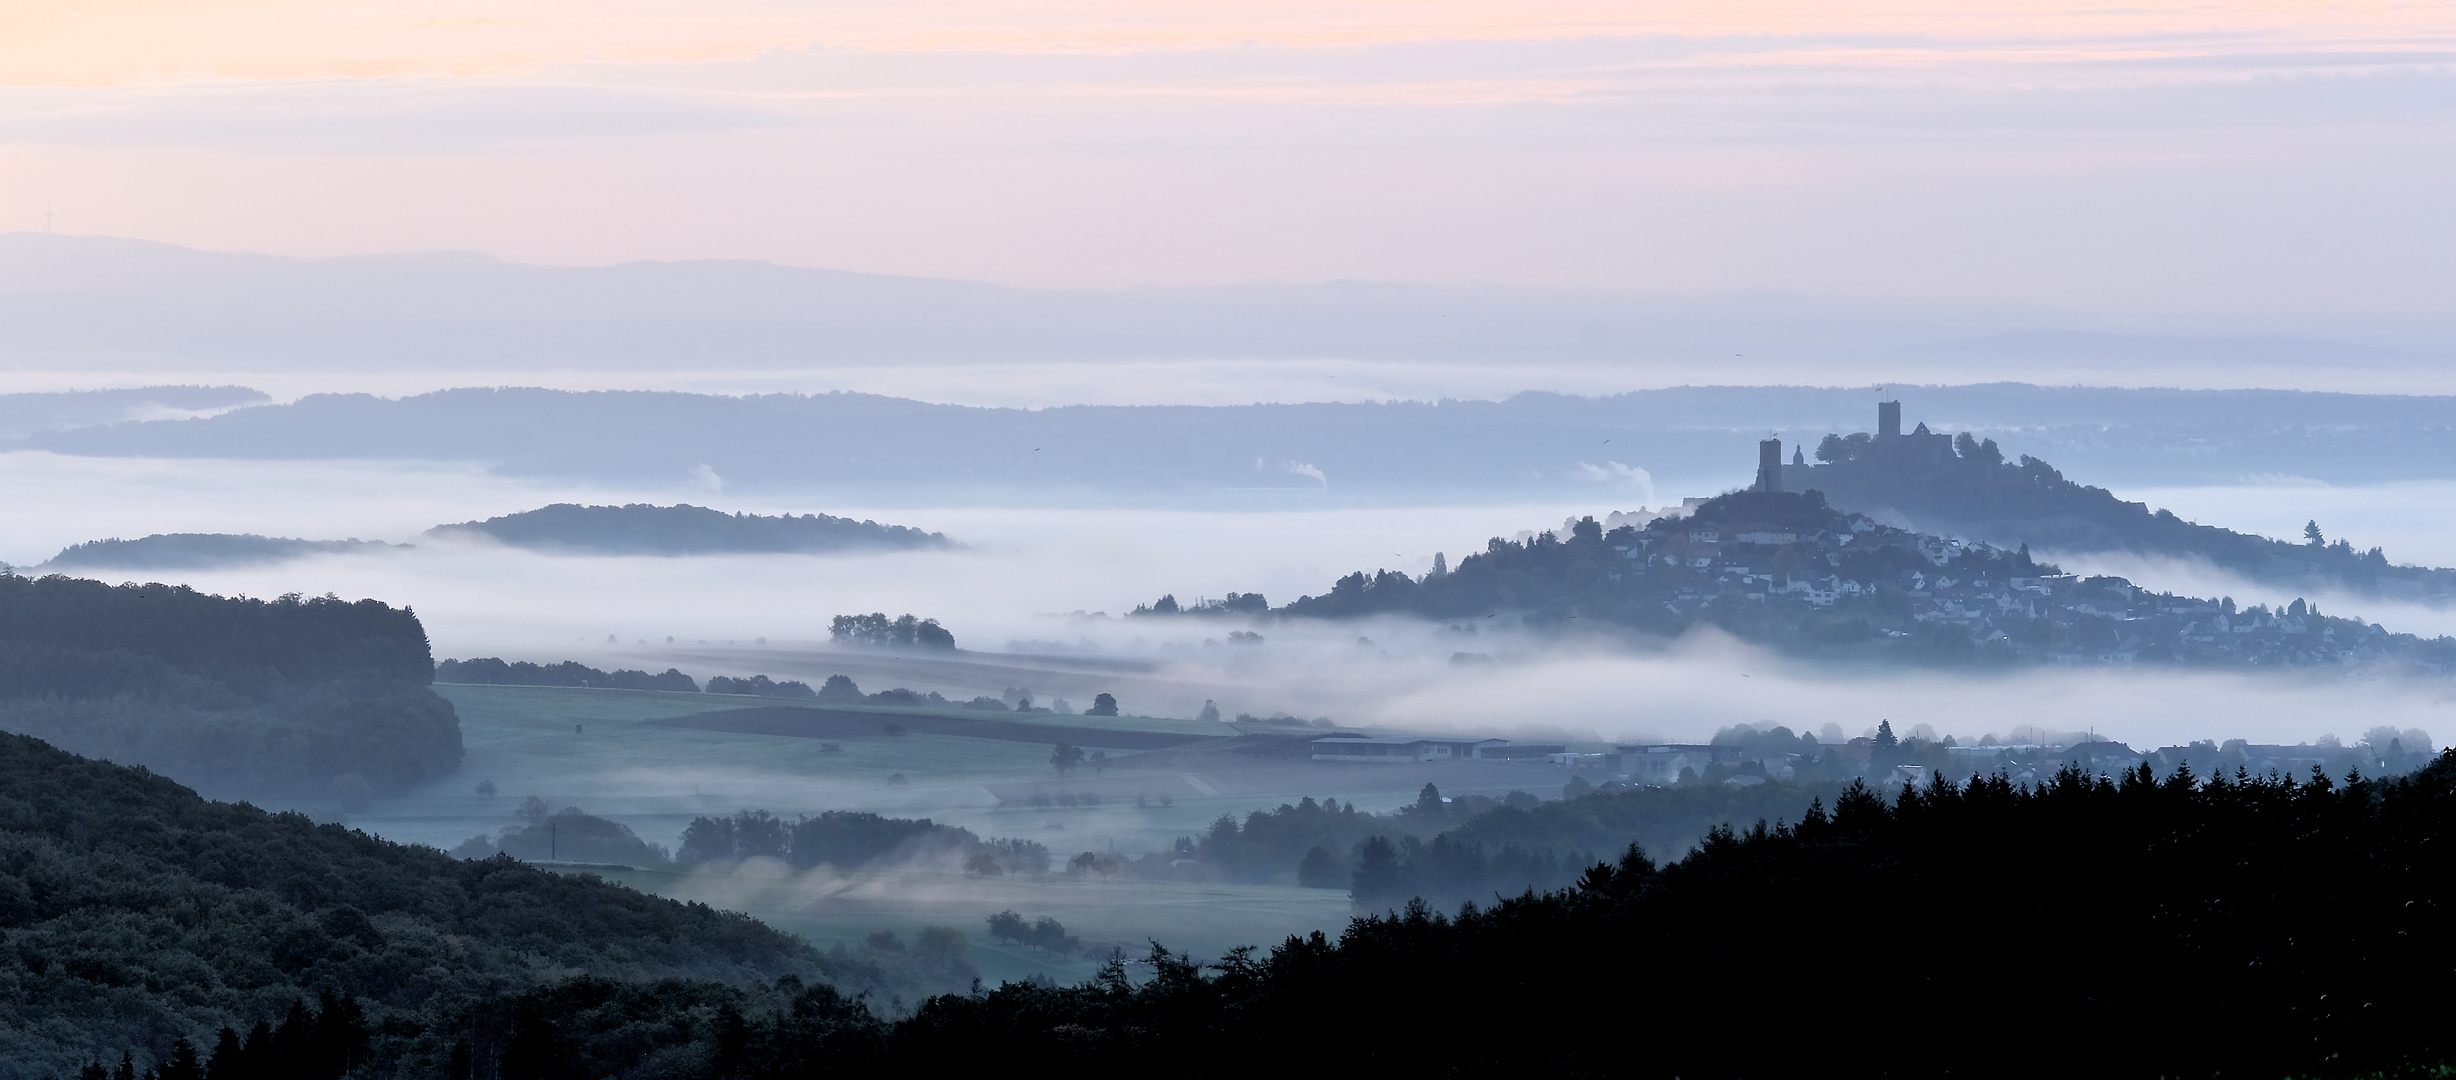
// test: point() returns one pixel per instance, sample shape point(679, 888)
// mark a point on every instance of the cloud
point(2049, 154)
point(480, 600)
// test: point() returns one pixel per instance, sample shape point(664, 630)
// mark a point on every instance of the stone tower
point(1769, 465)
point(1888, 419)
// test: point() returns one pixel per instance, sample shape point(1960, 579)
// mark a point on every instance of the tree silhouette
point(1065, 758)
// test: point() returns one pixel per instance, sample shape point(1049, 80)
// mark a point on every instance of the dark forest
point(312, 695)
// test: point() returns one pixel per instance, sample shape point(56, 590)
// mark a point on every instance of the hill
point(641, 529)
point(291, 695)
point(25, 414)
point(136, 913)
point(198, 551)
point(1789, 571)
point(1963, 486)
point(2229, 927)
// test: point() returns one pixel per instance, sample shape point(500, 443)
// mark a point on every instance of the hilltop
point(1790, 571)
point(641, 529)
point(289, 696)
point(1963, 486)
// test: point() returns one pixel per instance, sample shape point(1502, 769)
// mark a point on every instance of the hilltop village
point(1848, 578)
point(1770, 548)
point(1785, 568)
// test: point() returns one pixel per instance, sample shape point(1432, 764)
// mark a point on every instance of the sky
point(2247, 160)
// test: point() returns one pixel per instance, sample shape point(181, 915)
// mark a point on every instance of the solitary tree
point(2312, 534)
point(1102, 705)
point(1066, 757)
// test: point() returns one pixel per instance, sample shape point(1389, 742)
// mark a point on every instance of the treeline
point(492, 671)
point(325, 1042)
point(762, 686)
point(290, 696)
point(1545, 572)
point(1471, 848)
point(1235, 603)
point(2255, 927)
point(876, 630)
point(1044, 933)
point(566, 835)
point(642, 529)
point(849, 840)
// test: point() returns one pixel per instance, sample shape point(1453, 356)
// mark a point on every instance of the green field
point(605, 752)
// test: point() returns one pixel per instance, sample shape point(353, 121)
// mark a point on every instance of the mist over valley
point(772, 541)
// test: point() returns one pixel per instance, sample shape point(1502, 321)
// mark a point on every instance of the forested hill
point(135, 913)
point(198, 551)
point(1788, 571)
point(290, 695)
point(1964, 487)
point(641, 529)
point(2134, 926)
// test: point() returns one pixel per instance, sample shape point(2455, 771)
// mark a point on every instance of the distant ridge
point(642, 529)
point(24, 414)
point(872, 450)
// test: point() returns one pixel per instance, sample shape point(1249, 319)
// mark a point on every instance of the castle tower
point(1888, 419)
point(1769, 465)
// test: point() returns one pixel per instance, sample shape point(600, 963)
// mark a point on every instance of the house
point(1661, 765)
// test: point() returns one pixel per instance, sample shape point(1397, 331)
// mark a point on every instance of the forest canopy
point(136, 913)
point(199, 551)
point(642, 529)
point(2222, 927)
point(292, 695)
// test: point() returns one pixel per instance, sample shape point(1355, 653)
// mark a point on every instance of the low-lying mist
point(1024, 576)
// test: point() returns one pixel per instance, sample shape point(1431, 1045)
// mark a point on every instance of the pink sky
point(2191, 158)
